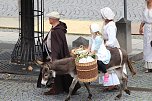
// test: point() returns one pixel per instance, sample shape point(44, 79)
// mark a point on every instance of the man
point(57, 48)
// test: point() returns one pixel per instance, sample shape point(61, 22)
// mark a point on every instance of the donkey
point(119, 59)
point(60, 67)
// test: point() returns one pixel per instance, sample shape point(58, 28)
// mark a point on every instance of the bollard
point(124, 34)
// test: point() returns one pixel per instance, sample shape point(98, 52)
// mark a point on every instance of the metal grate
point(29, 46)
point(5, 56)
point(7, 67)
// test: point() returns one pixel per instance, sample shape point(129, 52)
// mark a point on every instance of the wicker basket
point(73, 51)
point(87, 72)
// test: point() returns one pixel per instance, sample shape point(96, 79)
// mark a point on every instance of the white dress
point(109, 34)
point(104, 55)
point(147, 50)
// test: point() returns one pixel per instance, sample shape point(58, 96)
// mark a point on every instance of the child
point(97, 47)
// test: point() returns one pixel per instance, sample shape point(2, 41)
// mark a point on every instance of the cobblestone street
point(23, 88)
point(23, 91)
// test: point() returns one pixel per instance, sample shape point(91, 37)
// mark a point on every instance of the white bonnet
point(94, 27)
point(107, 13)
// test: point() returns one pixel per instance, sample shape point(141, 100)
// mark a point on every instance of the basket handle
point(81, 46)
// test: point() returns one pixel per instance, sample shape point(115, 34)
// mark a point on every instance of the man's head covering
point(107, 13)
point(94, 27)
point(54, 14)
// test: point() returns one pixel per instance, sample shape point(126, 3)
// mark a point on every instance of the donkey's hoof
point(127, 91)
point(89, 99)
point(118, 97)
point(67, 99)
point(90, 96)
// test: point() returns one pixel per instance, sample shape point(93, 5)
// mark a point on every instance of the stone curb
point(136, 57)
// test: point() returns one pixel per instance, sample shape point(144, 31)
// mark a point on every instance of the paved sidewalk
point(74, 26)
point(12, 37)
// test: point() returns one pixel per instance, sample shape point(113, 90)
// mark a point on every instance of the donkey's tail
point(133, 72)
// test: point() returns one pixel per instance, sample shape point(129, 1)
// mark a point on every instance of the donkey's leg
point(119, 74)
point(74, 82)
point(125, 81)
point(126, 89)
point(87, 85)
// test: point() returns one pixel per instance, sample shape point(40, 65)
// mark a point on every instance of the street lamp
point(125, 9)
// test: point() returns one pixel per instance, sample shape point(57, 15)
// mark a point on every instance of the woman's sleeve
point(90, 42)
point(111, 36)
point(98, 42)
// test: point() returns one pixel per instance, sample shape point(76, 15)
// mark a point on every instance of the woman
point(109, 36)
point(146, 28)
point(109, 28)
point(97, 47)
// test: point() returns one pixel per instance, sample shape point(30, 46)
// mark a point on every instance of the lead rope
point(47, 52)
point(121, 57)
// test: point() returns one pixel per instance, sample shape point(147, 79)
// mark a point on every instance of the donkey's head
point(48, 74)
